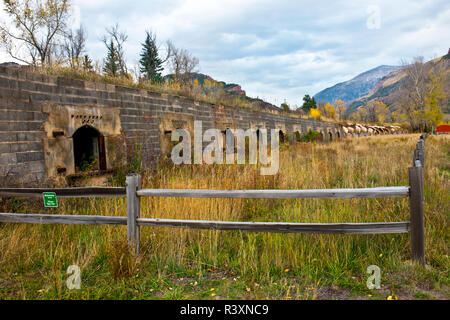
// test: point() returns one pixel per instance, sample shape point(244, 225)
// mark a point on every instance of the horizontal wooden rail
point(273, 227)
point(386, 192)
point(281, 227)
point(91, 192)
point(61, 219)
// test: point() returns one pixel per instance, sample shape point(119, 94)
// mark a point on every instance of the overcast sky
point(281, 49)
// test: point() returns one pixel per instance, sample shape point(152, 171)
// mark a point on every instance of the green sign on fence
point(50, 200)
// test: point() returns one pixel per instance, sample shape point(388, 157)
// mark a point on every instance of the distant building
point(444, 128)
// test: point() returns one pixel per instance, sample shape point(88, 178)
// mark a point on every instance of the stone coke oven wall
point(39, 115)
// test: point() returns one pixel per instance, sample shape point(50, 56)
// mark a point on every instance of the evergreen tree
point(151, 64)
point(308, 104)
point(112, 66)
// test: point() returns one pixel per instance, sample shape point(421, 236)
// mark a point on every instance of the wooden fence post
point(419, 153)
point(416, 214)
point(133, 210)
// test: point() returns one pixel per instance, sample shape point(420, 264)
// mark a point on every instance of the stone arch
point(282, 136)
point(224, 139)
point(258, 137)
point(89, 149)
point(321, 135)
point(230, 141)
point(166, 144)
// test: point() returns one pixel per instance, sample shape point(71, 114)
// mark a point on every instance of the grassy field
point(191, 264)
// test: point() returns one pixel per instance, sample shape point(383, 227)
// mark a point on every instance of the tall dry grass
point(46, 251)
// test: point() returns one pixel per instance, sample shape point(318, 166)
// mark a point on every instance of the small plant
point(122, 260)
point(88, 165)
point(422, 295)
point(311, 136)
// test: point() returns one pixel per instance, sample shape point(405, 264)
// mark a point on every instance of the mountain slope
point(357, 87)
point(386, 89)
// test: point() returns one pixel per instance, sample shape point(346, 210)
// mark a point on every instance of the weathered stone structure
point(49, 123)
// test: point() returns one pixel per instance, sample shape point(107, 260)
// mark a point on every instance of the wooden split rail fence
point(133, 192)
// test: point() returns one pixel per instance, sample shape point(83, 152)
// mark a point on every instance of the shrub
point(311, 136)
point(122, 261)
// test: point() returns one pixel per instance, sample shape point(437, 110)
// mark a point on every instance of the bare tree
point(114, 40)
point(38, 27)
point(421, 89)
point(75, 46)
point(182, 64)
point(376, 111)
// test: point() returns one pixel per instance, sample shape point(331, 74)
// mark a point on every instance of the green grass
point(188, 264)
